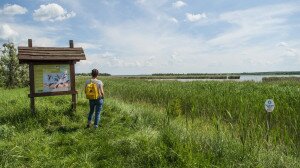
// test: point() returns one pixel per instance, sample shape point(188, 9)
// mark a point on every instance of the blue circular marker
point(269, 105)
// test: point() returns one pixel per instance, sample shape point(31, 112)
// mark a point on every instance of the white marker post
point(269, 106)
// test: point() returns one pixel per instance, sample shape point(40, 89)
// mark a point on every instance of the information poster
point(52, 78)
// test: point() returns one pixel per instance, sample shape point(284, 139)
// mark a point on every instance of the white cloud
point(179, 4)
point(282, 44)
point(85, 62)
point(110, 60)
point(141, 45)
point(155, 45)
point(195, 17)
point(174, 20)
point(174, 59)
point(52, 12)
point(19, 34)
point(14, 9)
point(288, 50)
point(7, 33)
point(254, 16)
point(44, 42)
point(254, 22)
point(88, 45)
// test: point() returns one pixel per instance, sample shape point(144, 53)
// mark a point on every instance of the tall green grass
point(142, 127)
point(238, 104)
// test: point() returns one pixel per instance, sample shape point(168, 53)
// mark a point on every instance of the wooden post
point(31, 80)
point(29, 42)
point(71, 44)
point(72, 75)
point(268, 125)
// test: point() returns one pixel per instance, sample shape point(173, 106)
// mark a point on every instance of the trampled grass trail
point(132, 135)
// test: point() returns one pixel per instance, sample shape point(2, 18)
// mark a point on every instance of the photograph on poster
point(52, 78)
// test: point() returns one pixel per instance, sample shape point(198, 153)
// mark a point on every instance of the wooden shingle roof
point(31, 54)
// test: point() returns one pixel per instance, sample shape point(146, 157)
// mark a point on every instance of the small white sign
point(269, 105)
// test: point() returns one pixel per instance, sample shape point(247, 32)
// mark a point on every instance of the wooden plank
point(51, 48)
point(48, 48)
point(51, 62)
point(51, 57)
point(42, 57)
point(21, 57)
point(27, 52)
point(46, 62)
point(54, 55)
point(52, 93)
point(72, 76)
point(51, 51)
point(57, 49)
point(31, 84)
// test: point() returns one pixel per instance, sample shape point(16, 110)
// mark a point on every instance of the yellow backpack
point(91, 91)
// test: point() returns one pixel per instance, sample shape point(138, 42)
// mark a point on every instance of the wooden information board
point(51, 70)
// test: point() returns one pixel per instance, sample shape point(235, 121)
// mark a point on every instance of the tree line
point(243, 73)
point(89, 74)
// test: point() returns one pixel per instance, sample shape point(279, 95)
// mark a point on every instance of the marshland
point(187, 83)
point(155, 124)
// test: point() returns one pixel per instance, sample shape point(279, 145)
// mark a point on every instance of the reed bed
point(184, 77)
point(238, 104)
point(154, 124)
point(281, 79)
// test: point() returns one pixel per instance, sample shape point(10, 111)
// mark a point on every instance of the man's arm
point(101, 90)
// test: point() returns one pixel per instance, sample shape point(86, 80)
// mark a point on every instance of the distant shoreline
point(201, 74)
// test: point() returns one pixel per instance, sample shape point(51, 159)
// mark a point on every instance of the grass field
point(155, 124)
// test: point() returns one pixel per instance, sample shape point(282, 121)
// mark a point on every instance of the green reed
point(239, 104)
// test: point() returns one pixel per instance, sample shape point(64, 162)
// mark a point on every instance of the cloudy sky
point(161, 36)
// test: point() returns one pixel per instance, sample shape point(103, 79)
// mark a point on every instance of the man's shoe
point(88, 125)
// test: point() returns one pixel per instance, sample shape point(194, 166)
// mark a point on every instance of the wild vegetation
point(155, 124)
point(12, 74)
point(182, 77)
point(276, 79)
point(233, 74)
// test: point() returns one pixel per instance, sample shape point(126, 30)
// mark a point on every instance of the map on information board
point(52, 78)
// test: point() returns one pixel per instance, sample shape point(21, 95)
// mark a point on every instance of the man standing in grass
point(95, 93)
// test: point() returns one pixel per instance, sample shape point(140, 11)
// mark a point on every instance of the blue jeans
point(95, 104)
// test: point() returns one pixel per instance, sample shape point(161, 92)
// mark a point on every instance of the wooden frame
point(50, 56)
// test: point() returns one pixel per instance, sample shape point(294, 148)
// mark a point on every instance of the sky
point(162, 36)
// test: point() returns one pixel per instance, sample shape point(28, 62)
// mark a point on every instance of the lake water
point(255, 78)
point(258, 78)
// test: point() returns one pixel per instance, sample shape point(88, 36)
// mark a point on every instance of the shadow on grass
point(62, 129)
point(24, 117)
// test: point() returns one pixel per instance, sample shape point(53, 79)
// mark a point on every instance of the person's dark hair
point(95, 73)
